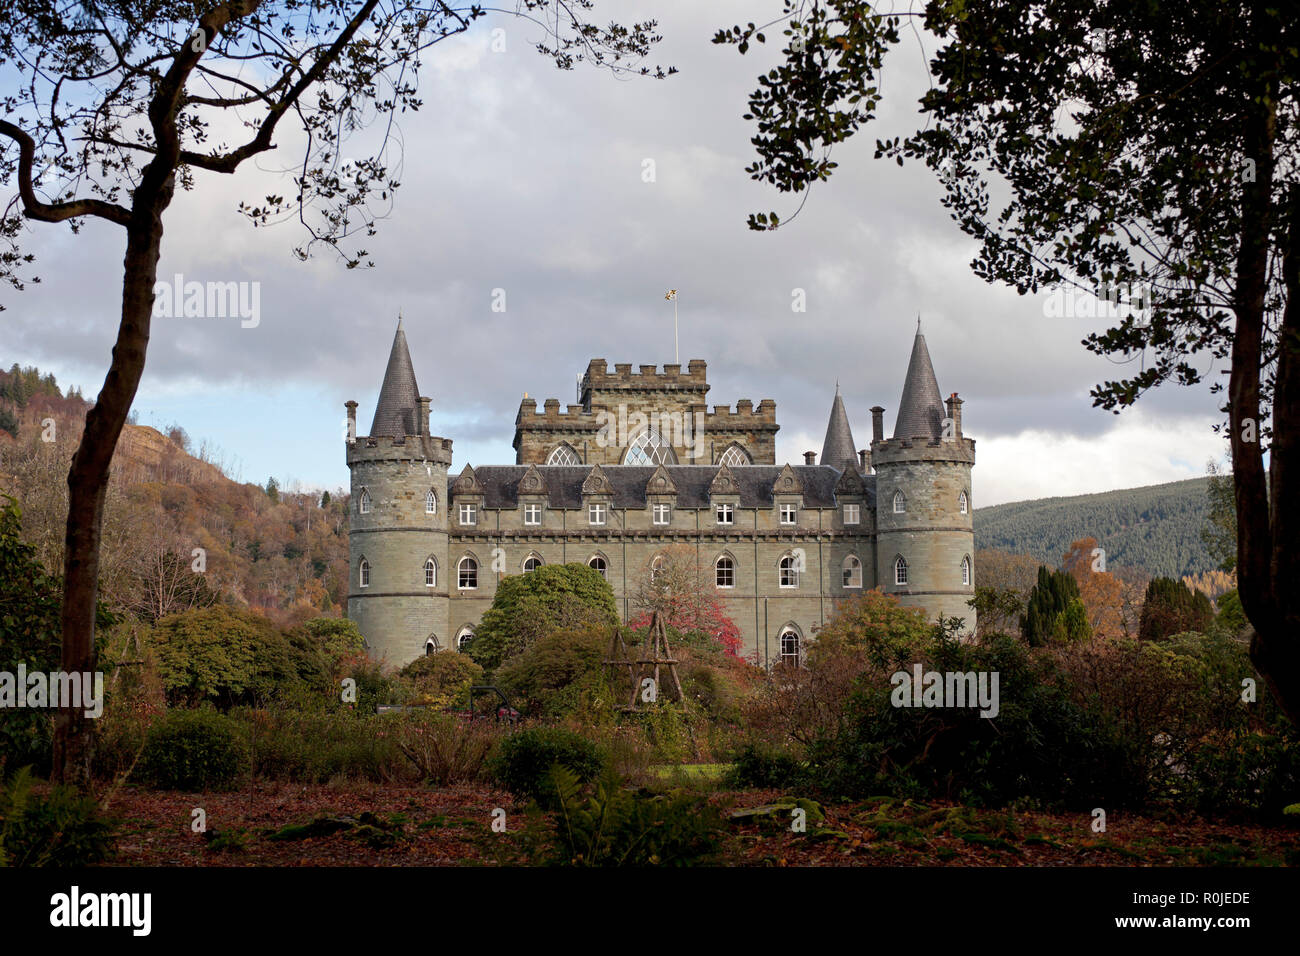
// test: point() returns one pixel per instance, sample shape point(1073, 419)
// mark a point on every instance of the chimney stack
point(810, 458)
point(422, 424)
point(954, 412)
point(877, 424)
point(352, 422)
point(864, 460)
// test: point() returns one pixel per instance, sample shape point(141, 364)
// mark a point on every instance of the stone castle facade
point(641, 464)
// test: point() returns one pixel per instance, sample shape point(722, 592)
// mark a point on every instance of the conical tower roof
point(395, 413)
point(920, 411)
point(838, 449)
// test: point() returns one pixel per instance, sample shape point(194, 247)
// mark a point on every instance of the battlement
point(744, 411)
point(598, 376)
point(894, 450)
point(551, 413)
point(416, 448)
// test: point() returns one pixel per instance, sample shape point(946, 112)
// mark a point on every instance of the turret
point(397, 525)
point(925, 542)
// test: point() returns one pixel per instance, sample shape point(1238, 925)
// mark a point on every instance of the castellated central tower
point(925, 539)
point(397, 591)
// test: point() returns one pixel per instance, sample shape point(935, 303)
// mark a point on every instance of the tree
point(1099, 590)
point(529, 606)
point(227, 656)
point(1220, 531)
point(1054, 612)
point(273, 490)
point(1146, 148)
point(1170, 608)
point(685, 595)
point(118, 105)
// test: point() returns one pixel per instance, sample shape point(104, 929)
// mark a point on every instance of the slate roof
point(920, 412)
point(564, 484)
point(838, 448)
point(396, 410)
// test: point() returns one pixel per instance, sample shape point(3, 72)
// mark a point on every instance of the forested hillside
point(171, 510)
point(1156, 528)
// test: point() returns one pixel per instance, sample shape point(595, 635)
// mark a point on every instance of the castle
point(639, 464)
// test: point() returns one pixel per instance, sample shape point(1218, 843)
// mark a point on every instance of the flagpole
point(677, 355)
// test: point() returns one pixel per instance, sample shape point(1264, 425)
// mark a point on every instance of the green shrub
point(617, 827)
point(522, 763)
point(1247, 775)
point(63, 828)
point(442, 679)
point(560, 674)
point(765, 767)
point(192, 750)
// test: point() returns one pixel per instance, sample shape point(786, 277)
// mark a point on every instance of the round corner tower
point(925, 539)
point(397, 521)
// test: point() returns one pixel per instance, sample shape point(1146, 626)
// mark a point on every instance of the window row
point(901, 571)
point(365, 502)
point(598, 512)
point(724, 571)
point(660, 514)
point(900, 503)
point(463, 637)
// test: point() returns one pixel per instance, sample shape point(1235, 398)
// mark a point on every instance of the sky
point(529, 183)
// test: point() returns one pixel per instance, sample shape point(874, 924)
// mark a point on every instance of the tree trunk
point(1276, 651)
point(88, 476)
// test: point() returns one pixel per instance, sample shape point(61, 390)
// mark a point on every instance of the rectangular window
point(850, 514)
point(662, 514)
point(788, 514)
point(469, 514)
point(596, 514)
point(726, 514)
point(532, 514)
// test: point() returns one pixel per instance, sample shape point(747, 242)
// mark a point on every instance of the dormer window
point(726, 514)
point(851, 514)
point(597, 513)
point(532, 514)
point(662, 513)
point(363, 503)
point(469, 514)
point(789, 514)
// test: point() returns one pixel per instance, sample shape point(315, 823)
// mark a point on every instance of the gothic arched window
point(852, 572)
point(430, 573)
point(789, 572)
point(467, 574)
point(965, 572)
point(900, 570)
point(734, 456)
point(564, 455)
point(532, 563)
point(962, 504)
point(900, 503)
point(725, 572)
point(598, 564)
point(363, 503)
point(430, 502)
point(791, 652)
point(648, 448)
point(464, 636)
point(363, 573)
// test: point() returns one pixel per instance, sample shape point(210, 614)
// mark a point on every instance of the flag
point(670, 294)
